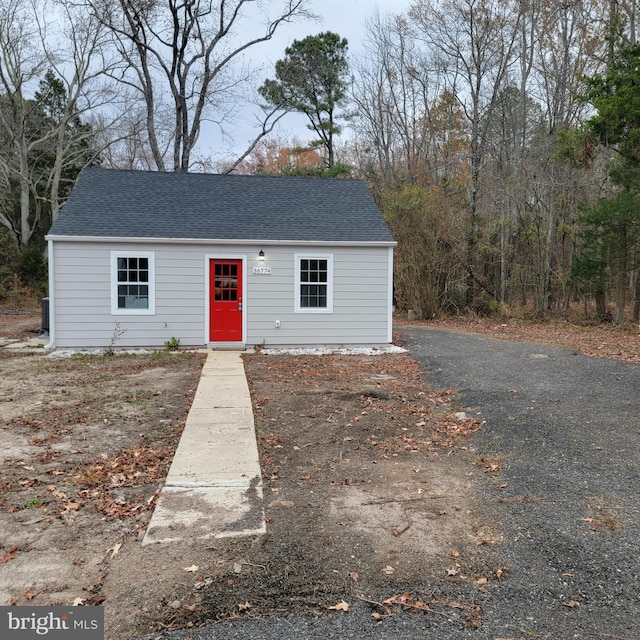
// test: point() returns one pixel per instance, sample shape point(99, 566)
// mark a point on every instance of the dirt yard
point(368, 487)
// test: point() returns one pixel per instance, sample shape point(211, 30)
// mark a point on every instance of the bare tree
point(50, 73)
point(186, 50)
point(21, 65)
point(405, 122)
point(80, 66)
point(474, 42)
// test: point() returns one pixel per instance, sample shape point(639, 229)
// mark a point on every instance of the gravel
point(564, 430)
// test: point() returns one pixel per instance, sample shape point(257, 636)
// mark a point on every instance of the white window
point(314, 283)
point(132, 283)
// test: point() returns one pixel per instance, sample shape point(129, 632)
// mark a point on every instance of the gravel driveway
point(567, 428)
point(564, 430)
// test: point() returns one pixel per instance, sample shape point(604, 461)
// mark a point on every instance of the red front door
point(225, 295)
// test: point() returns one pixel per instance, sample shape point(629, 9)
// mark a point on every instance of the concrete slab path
point(214, 487)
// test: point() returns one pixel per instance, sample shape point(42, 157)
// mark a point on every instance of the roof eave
point(227, 241)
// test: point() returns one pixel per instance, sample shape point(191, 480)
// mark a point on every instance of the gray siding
point(81, 296)
point(360, 300)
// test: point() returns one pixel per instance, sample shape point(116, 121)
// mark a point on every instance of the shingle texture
point(144, 204)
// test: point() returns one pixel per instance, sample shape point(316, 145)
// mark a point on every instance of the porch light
point(261, 256)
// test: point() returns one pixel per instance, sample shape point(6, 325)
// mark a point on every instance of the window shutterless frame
point(133, 290)
point(313, 283)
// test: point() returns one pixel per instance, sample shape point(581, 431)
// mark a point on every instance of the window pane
point(133, 274)
point(313, 296)
point(314, 274)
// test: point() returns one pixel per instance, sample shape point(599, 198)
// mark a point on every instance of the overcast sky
point(344, 17)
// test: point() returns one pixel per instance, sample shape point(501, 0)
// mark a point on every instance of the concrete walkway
point(214, 487)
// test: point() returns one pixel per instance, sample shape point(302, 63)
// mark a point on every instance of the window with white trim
point(314, 283)
point(132, 282)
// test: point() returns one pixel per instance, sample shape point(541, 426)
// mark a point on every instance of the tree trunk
point(621, 277)
point(601, 304)
point(544, 292)
point(636, 298)
point(25, 192)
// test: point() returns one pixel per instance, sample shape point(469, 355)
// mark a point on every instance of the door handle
point(240, 306)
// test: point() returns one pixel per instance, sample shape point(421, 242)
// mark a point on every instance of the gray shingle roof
point(143, 204)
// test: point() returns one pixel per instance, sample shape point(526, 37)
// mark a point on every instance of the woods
point(500, 139)
point(472, 103)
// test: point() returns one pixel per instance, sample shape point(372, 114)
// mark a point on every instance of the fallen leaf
point(203, 582)
point(237, 567)
point(403, 599)
point(192, 569)
point(190, 607)
point(247, 605)
point(116, 548)
point(388, 569)
point(420, 605)
point(30, 594)
point(481, 581)
point(499, 573)
point(376, 616)
point(452, 572)
point(354, 575)
point(455, 554)
point(78, 602)
point(571, 604)
point(341, 606)
point(57, 493)
point(10, 555)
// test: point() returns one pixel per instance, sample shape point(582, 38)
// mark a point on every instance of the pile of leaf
point(598, 341)
point(100, 484)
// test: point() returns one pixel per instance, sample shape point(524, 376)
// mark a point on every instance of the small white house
point(137, 258)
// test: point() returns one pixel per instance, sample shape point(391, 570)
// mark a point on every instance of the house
point(139, 258)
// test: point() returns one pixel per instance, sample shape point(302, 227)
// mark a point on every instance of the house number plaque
point(262, 271)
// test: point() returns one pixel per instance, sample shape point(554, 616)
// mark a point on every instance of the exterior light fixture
point(261, 256)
